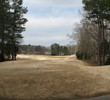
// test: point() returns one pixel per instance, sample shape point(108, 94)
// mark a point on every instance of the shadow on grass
point(100, 97)
point(4, 98)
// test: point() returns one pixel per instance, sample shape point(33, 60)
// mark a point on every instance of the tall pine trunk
point(100, 44)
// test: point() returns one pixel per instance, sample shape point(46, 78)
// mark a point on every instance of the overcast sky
point(49, 21)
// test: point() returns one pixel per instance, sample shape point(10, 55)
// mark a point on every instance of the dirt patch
point(90, 63)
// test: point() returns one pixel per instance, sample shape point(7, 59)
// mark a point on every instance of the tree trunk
point(2, 58)
point(100, 43)
point(103, 48)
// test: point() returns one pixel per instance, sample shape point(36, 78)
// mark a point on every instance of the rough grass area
point(51, 78)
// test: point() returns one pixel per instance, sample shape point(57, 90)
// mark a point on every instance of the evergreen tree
point(11, 25)
point(17, 22)
point(55, 49)
point(98, 11)
point(4, 20)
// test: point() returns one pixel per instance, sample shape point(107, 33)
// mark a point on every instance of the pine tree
point(98, 11)
point(55, 49)
point(4, 16)
point(11, 25)
point(17, 22)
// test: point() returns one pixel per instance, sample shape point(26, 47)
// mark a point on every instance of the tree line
point(55, 49)
point(93, 32)
point(61, 50)
point(12, 24)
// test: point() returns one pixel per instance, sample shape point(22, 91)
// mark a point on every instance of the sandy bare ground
point(34, 77)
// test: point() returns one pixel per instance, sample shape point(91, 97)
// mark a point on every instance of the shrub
point(79, 55)
point(107, 61)
point(1, 58)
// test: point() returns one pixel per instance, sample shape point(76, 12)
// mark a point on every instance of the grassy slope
point(54, 78)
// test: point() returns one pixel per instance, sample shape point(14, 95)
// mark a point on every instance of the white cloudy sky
point(49, 21)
